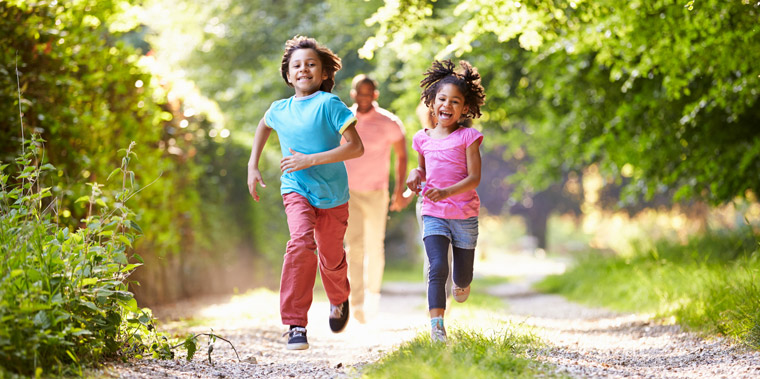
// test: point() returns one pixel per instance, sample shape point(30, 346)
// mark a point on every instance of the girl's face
point(305, 72)
point(448, 106)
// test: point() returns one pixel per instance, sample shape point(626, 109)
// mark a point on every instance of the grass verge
point(709, 284)
point(501, 353)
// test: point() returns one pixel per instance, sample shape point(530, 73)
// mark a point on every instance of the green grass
point(403, 271)
point(503, 352)
point(709, 284)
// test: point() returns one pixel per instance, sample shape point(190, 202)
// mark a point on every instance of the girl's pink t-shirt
point(446, 165)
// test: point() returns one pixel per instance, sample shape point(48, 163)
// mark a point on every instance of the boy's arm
point(353, 148)
point(259, 140)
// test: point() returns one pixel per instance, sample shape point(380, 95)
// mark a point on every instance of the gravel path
point(583, 342)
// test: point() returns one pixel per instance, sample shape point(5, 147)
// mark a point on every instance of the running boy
point(314, 184)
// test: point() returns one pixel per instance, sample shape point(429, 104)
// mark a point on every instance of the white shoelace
point(336, 311)
point(296, 330)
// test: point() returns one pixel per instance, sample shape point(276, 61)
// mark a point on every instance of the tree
point(652, 91)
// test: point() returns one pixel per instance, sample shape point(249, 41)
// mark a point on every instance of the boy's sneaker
point(297, 338)
point(460, 294)
point(338, 317)
point(437, 332)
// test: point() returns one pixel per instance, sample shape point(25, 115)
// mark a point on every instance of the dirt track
point(583, 342)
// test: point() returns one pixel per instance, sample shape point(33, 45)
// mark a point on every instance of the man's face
point(364, 96)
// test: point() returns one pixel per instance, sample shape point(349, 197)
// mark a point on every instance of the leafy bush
point(63, 292)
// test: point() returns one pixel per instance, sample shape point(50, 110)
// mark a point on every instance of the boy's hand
point(295, 162)
point(254, 176)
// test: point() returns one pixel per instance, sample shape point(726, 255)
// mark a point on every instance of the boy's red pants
point(312, 229)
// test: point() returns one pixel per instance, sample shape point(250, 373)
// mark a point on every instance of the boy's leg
point(355, 249)
point(299, 267)
point(329, 231)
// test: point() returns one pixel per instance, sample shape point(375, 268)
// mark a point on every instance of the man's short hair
point(363, 79)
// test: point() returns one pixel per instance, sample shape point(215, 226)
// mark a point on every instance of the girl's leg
point(329, 231)
point(299, 268)
point(437, 247)
point(463, 266)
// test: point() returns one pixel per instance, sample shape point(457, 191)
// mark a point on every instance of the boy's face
point(364, 95)
point(305, 72)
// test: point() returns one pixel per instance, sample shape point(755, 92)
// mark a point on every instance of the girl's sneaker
point(297, 338)
point(460, 294)
point(437, 332)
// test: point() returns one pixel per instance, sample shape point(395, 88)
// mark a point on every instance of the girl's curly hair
point(331, 63)
point(467, 80)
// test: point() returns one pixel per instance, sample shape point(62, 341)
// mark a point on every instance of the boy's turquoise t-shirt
point(308, 125)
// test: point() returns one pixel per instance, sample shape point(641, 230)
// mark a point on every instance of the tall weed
point(63, 293)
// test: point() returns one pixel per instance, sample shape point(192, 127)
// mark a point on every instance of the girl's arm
point(417, 175)
point(353, 148)
point(259, 140)
point(467, 184)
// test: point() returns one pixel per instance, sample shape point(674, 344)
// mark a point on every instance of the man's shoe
point(297, 338)
point(359, 315)
point(338, 317)
point(460, 294)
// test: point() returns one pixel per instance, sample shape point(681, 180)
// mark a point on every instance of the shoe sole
point(298, 346)
point(461, 298)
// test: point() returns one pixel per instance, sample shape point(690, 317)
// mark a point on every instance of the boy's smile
point(305, 72)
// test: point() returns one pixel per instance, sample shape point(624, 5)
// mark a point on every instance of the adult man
point(380, 131)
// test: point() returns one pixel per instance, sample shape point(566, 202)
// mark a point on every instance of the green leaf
point(114, 172)
point(82, 199)
point(191, 346)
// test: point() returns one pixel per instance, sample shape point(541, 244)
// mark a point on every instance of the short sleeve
point(339, 114)
point(268, 118)
point(417, 142)
point(397, 132)
point(472, 136)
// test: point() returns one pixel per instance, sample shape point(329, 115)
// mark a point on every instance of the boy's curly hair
point(467, 80)
point(331, 63)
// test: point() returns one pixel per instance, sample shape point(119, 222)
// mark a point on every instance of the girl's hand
point(295, 162)
point(414, 180)
point(436, 195)
point(254, 176)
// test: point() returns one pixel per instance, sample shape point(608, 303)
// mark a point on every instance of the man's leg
point(376, 217)
point(355, 249)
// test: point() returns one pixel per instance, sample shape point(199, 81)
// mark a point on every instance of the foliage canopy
point(659, 93)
